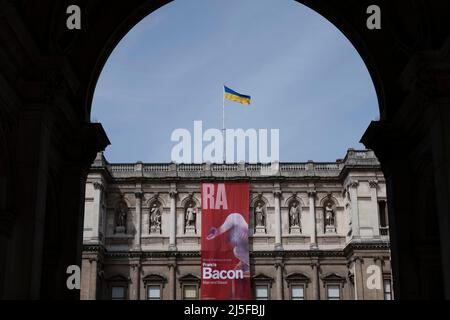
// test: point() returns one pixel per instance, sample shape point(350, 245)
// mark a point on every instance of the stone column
point(135, 280)
point(278, 241)
point(279, 285)
point(380, 263)
point(172, 280)
point(173, 221)
point(315, 279)
point(359, 278)
point(312, 213)
point(374, 198)
point(85, 279)
point(138, 220)
point(97, 211)
point(93, 278)
point(353, 189)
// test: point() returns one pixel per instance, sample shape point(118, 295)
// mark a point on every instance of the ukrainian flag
point(236, 97)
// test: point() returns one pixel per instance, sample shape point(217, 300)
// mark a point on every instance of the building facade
point(317, 230)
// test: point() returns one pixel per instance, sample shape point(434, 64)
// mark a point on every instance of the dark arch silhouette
point(49, 74)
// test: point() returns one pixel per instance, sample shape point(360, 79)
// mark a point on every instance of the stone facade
point(318, 230)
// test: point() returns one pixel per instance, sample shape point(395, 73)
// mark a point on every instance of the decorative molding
point(139, 194)
point(188, 278)
point(154, 277)
point(332, 277)
point(173, 193)
point(353, 184)
point(373, 184)
point(297, 278)
point(261, 277)
point(312, 193)
point(98, 186)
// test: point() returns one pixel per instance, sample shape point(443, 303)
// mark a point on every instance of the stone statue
point(260, 217)
point(190, 216)
point(294, 215)
point(155, 217)
point(329, 215)
point(121, 218)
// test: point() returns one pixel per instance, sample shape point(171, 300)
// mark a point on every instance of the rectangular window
point(387, 289)
point(118, 293)
point(382, 213)
point(333, 292)
point(190, 292)
point(262, 292)
point(298, 292)
point(154, 292)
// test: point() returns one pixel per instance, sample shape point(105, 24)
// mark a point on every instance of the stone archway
point(49, 74)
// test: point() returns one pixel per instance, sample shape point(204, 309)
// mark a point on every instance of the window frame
point(190, 280)
point(190, 284)
point(297, 279)
point(157, 285)
point(266, 286)
point(389, 280)
point(333, 284)
point(118, 281)
point(154, 280)
point(118, 285)
point(297, 284)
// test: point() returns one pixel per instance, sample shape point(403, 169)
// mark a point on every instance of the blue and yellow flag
point(236, 97)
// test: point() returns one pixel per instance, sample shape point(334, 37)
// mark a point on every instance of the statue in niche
point(260, 216)
point(190, 216)
point(294, 214)
point(155, 218)
point(121, 218)
point(330, 220)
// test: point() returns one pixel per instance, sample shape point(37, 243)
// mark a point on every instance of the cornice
point(371, 246)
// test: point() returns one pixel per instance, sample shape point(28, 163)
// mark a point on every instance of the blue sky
point(304, 76)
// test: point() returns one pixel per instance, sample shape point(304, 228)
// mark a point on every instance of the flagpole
point(223, 124)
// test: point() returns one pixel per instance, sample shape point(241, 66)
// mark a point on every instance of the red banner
point(225, 251)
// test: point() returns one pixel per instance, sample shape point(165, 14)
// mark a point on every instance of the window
point(297, 292)
point(118, 293)
point(154, 285)
point(387, 289)
point(262, 292)
point(154, 292)
point(333, 292)
point(190, 287)
point(190, 292)
point(384, 224)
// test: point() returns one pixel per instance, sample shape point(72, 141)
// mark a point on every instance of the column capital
point(98, 185)
point(173, 193)
point(356, 259)
point(378, 258)
point(277, 193)
point(312, 193)
point(139, 194)
point(353, 184)
point(373, 184)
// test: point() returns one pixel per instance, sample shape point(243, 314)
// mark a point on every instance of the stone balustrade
point(243, 170)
